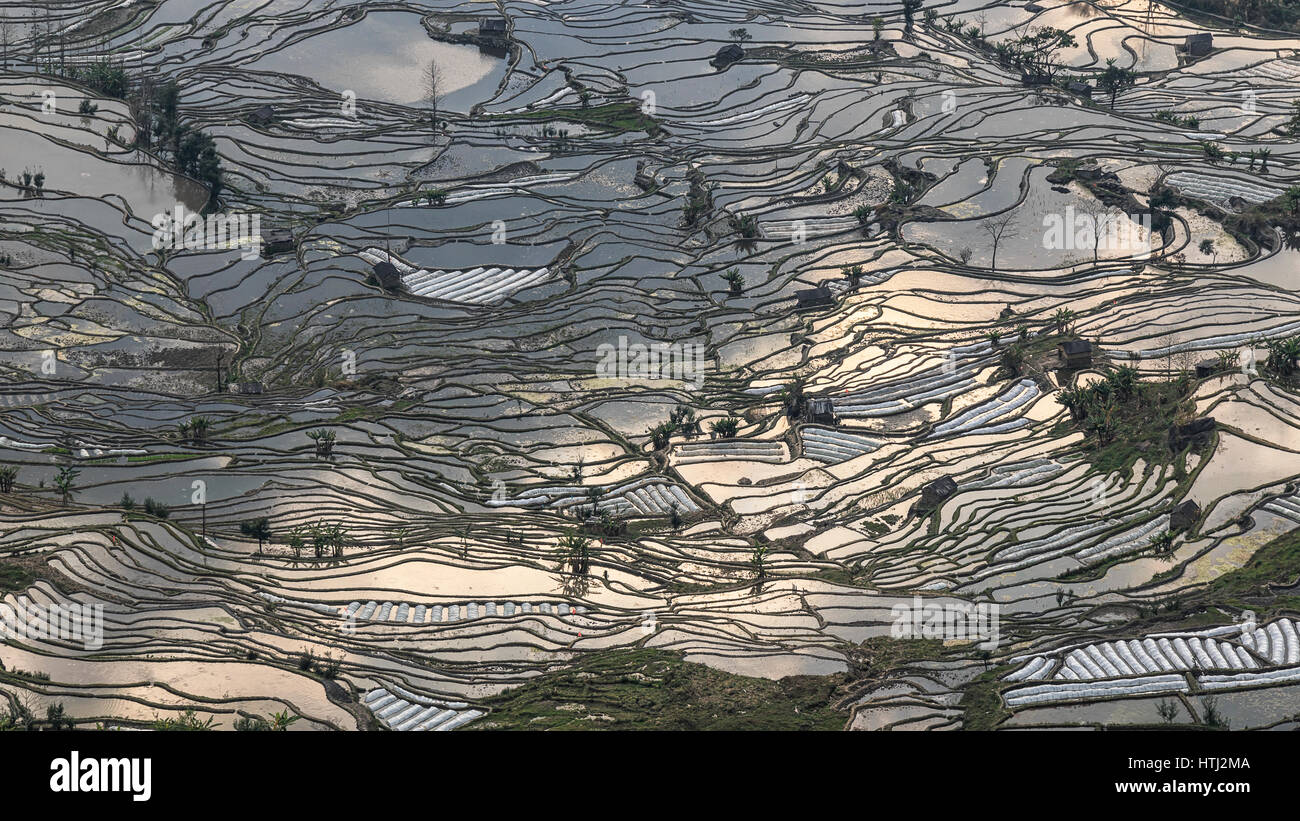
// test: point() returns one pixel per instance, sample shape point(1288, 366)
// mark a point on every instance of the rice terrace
point(671, 365)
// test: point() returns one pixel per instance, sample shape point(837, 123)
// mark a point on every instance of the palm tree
point(659, 435)
point(1075, 401)
point(1293, 198)
point(65, 479)
point(575, 551)
point(7, 475)
point(296, 539)
point(319, 539)
point(324, 440)
point(1123, 379)
point(1064, 319)
point(1102, 391)
point(259, 529)
point(1103, 424)
point(735, 280)
point(726, 428)
point(1228, 360)
point(338, 539)
point(746, 225)
point(281, 721)
point(1282, 355)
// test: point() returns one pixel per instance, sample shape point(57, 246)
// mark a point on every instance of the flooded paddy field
point(382, 367)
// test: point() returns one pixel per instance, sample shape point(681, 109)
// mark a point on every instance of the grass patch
point(644, 689)
point(1276, 563)
point(163, 457)
point(981, 703)
point(1124, 426)
point(14, 578)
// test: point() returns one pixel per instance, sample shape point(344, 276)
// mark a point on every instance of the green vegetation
point(1273, 14)
point(1178, 120)
point(726, 428)
point(65, 480)
point(187, 721)
point(575, 552)
point(326, 539)
point(1124, 417)
point(14, 578)
point(195, 429)
point(1114, 79)
point(877, 656)
point(259, 529)
point(1035, 53)
point(699, 199)
point(279, 722)
point(156, 509)
point(1210, 714)
point(910, 7)
point(1254, 226)
point(680, 419)
point(324, 440)
point(734, 279)
point(981, 702)
point(1276, 563)
point(296, 539)
point(155, 109)
point(8, 474)
point(656, 690)
point(746, 225)
point(1168, 709)
point(160, 457)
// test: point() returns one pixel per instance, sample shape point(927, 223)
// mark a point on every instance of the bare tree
point(433, 89)
point(6, 37)
point(995, 228)
point(1105, 222)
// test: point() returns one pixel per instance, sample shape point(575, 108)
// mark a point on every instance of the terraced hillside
point(607, 357)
